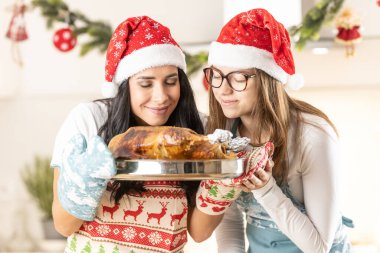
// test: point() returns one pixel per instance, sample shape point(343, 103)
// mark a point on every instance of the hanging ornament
point(64, 39)
point(378, 2)
point(348, 25)
point(17, 30)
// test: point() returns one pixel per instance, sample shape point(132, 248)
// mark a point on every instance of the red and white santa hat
point(137, 44)
point(254, 39)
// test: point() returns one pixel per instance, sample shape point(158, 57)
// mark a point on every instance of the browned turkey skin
point(167, 143)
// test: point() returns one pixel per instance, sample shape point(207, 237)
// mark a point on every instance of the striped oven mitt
point(215, 196)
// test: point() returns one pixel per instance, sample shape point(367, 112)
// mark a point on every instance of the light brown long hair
point(275, 110)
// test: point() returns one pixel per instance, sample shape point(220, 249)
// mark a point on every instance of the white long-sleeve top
point(313, 180)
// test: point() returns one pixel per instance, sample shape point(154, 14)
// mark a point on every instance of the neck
point(246, 129)
point(247, 123)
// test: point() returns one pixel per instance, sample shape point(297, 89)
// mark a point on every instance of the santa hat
point(137, 44)
point(254, 39)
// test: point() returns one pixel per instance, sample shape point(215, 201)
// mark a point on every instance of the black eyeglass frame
point(226, 77)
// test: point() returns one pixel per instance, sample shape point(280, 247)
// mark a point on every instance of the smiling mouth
point(158, 110)
point(228, 102)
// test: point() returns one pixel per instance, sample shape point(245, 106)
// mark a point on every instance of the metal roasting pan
point(178, 169)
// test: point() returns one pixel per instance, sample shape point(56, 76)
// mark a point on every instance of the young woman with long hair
point(294, 207)
point(147, 86)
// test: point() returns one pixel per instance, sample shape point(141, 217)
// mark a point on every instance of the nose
point(225, 88)
point(160, 94)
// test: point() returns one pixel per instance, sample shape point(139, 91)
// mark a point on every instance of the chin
point(231, 114)
point(156, 122)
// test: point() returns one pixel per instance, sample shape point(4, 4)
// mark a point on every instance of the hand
point(254, 160)
point(259, 179)
point(84, 175)
point(215, 196)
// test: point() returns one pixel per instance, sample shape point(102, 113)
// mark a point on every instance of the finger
point(262, 175)
point(247, 186)
point(253, 182)
point(269, 166)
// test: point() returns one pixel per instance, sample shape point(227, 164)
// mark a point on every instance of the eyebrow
point(244, 71)
point(152, 77)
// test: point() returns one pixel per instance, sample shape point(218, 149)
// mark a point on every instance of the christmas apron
point(156, 221)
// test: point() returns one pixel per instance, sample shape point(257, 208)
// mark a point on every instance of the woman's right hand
point(84, 175)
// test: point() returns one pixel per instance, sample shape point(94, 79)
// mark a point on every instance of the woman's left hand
point(259, 179)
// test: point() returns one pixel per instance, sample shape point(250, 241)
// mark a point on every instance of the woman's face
point(236, 104)
point(154, 94)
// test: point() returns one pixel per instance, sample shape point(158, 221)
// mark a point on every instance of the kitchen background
point(36, 96)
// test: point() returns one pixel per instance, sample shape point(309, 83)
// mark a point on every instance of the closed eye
point(145, 84)
point(171, 81)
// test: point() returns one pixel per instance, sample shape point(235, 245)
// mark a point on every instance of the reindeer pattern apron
point(156, 221)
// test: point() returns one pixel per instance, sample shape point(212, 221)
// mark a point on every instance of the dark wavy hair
point(120, 119)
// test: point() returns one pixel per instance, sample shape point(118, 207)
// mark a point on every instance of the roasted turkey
point(164, 142)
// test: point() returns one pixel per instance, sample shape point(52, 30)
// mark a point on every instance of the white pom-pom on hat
point(109, 89)
point(295, 82)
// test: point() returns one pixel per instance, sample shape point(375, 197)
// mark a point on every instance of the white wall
point(48, 71)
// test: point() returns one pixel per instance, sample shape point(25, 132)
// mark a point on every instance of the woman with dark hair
point(146, 69)
point(293, 207)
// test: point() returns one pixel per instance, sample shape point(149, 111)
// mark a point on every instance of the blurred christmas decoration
point(57, 11)
point(64, 39)
point(17, 30)
point(98, 32)
point(195, 61)
point(348, 24)
point(322, 13)
point(378, 2)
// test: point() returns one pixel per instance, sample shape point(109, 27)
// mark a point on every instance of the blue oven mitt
point(84, 175)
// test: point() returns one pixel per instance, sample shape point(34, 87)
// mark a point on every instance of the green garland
point(56, 11)
point(322, 13)
point(195, 62)
point(99, 32)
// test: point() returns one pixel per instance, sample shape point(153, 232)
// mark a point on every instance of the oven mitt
point(84, 175)
point(215, 196)
point(254, 159)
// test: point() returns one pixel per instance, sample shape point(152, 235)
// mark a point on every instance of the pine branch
point(321, 14)
point(99, 33)
point(195, 62)
point(38, 180)
point(56, 11)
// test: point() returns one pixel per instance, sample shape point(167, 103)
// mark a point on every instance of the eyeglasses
point(236, 80)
